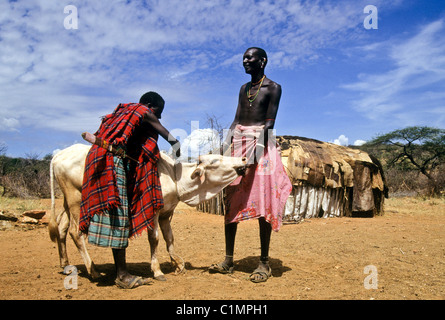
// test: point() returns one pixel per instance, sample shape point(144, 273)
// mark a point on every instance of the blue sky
point(341, 82)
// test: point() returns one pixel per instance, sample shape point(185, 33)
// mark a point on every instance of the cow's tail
point(53, 226)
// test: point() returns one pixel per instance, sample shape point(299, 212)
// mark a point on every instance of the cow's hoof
point(96, 276)
point(64, 263)
point(179, 263)
point(160, 278)
point(179, 270)
point(69, 269)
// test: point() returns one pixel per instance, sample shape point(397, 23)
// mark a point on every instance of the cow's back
point(68, 166)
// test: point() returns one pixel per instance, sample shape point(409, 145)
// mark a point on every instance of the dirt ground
point(315, 259)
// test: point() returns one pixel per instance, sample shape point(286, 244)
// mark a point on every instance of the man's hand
point(120, 152)
point(256, 155)
point(225, 148)
point(176, 148)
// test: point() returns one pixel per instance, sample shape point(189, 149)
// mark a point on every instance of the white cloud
point(57, 78)
point(200, 141)
point(342, 140)
point(63, 80)
point(9, 124)
point(359, 142)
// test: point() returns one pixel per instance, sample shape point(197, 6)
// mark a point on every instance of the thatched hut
point(330, 180)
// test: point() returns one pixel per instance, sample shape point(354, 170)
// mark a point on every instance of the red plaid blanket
point(99, 190)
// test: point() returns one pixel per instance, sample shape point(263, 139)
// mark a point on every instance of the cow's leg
point(153, 238)
point(79, 241)
point(167, 232)
point(63, 224)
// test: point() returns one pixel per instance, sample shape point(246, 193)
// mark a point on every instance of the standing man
point(263, 191)
point(120, 195)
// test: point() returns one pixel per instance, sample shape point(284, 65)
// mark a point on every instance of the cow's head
point(202, 181)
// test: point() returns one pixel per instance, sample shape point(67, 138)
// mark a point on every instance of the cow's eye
point(214, 161)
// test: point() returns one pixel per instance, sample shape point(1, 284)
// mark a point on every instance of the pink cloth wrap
point(264, 189)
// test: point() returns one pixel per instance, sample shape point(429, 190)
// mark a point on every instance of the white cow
point(191, 183)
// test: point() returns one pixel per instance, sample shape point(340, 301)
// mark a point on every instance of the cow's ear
point(197, 173)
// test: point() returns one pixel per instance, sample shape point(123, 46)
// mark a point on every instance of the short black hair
point(261, 52)
point(152, 98)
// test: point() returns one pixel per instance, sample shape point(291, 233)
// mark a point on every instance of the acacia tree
point(418, 148)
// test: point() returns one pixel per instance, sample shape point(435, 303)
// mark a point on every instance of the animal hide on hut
point(330, 180)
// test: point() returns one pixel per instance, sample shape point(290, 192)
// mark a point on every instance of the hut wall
point(306, 202)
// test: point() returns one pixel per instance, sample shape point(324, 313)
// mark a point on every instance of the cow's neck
point(167, 172)
point(188, 188)
point(195, 191)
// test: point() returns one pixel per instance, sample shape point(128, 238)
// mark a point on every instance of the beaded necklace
point(249, 95)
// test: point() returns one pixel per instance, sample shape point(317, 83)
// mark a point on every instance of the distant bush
point(411, 182)
point(24, 178)
point(413, 159)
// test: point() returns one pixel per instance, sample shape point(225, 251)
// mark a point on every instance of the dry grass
point(414, 206)
point(17, 206)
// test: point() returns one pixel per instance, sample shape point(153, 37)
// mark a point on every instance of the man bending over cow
point(120, 196)
point(264, 189)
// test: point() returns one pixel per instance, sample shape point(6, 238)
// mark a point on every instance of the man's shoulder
point(133, 105)
point(272, 87)
point(138, 108)
point(270, 83)
point(266, 83)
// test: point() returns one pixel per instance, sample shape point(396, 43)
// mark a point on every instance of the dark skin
point(261, 111)
point(153, 120)
point(119, 255)
point(266, 103)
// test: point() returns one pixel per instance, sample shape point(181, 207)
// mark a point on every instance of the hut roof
point(323, 164)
